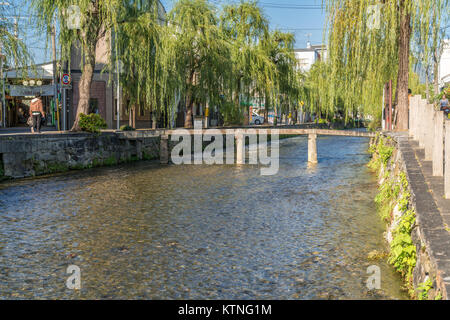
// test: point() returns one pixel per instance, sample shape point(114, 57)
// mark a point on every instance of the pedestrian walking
point(37, 113)
point(444, 103)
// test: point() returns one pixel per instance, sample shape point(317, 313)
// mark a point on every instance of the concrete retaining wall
point(25, 155)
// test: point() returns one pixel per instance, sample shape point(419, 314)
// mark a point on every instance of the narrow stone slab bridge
point(240, 135)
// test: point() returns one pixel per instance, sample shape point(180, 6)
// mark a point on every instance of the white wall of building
point(305, 59)
point(444, 66)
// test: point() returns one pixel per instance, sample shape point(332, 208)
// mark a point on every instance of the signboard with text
point(22, 91)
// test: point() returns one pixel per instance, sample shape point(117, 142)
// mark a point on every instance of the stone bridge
point(240, 135)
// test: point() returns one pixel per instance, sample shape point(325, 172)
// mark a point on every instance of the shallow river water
point(143, 231)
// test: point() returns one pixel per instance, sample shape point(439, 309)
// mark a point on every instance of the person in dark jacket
point(36, 112)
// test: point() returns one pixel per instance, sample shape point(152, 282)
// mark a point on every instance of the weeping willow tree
point(138, 48)
point(316, 90)
point(13, 51)
point(197, 55)
point(279, 47)
point(365, 53)
point(252, 70)
point(202, 57)
point(98, 19)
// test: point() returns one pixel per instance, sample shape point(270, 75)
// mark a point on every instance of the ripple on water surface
point(199, 232)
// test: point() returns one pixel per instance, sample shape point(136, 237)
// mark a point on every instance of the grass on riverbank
point(393, 202)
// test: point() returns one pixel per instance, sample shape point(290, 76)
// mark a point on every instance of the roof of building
point(38, 71)
point(305, 50)
point(316, 47)
point(319, 46)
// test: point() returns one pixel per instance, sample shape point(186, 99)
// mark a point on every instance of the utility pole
point(3, 89)
point(118, 81)
point(55, 78)
point(16, 36)
point(118, 96)
point(64, 97)
point(3, 109)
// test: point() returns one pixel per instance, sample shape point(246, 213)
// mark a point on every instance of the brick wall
point(98, 91)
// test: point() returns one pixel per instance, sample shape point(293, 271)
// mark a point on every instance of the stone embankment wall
point(417, 235)
point(25, 155)
point(33, 155)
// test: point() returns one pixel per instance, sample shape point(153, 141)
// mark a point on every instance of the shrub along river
point(143, 231)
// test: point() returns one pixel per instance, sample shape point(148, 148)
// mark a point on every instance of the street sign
point(66, 79)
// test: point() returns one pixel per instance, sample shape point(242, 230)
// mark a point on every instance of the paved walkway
point(432, 210)
point(52, 130)
point(24, 130)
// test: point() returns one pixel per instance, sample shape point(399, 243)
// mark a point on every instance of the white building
point(444, 65)
point(308, 56)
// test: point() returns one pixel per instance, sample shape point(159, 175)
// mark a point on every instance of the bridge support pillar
point(312, 148)
point(164, 149)
point(240, 148)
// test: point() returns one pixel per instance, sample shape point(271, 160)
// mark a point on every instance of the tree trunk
point(266, 107)
point(403, 69)
point(88, 45)
point(132, 117)
point(84, 89)
point(246, 116)
point(189, 103)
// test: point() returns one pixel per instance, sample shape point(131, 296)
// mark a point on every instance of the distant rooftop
point(305, 50)
point(311, 48)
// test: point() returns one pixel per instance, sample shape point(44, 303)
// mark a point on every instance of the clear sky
point(304, 18)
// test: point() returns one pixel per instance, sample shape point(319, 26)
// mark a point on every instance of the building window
point(93, 106)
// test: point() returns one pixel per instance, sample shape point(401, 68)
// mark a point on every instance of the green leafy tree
point(252, 70)
point(198, 54)
point(363, 58)
point(99, 18)
point(13, 51)
point(139, 48)
point(285, 93)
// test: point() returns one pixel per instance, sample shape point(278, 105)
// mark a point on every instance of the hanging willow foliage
point(138, 47)
point(209, 58)
point(280, 47)
point(198, 53)
point(252, 71)
point(98, 19)
point(12, 49)
point(362, 59)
